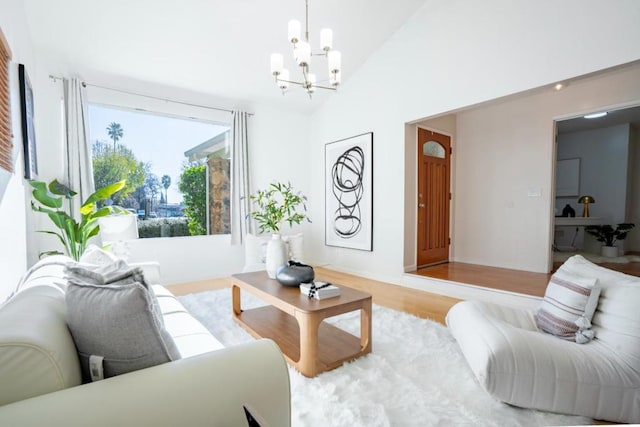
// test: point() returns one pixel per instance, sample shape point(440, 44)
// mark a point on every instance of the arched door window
point(433, 149)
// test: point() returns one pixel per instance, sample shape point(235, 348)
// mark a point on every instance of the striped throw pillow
point(568, 306)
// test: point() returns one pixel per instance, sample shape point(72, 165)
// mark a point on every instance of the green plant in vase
point(608, 236)
point(278, 204)
point(73, 235)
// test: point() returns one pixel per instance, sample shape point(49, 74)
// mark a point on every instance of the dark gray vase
point(294, 274)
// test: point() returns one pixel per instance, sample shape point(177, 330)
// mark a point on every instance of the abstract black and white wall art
point(349, 192)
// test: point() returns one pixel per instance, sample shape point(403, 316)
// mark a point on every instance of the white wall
point(507, 149)
point(449, 55)
point(13, 246)
point(503, 151)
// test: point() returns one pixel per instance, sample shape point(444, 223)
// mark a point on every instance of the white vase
point(609, 251)
point(276, 255)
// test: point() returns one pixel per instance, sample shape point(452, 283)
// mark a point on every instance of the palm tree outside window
point(114, 130)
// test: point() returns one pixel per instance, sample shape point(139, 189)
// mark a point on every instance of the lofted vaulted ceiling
point(218, 47)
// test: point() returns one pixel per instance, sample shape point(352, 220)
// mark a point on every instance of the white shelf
point(577, 221)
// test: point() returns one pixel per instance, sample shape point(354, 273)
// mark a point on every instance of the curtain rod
point(85, 84)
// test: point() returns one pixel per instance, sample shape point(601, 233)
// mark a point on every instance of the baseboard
point(394, 280)
point(466, 291)
point(412, 267)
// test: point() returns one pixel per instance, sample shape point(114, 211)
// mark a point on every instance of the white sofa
point(520, 365)
point(40, 375)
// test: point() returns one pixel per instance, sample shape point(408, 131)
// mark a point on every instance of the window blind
point(6, 137)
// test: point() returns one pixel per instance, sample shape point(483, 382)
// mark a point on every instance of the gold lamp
point(585, 200)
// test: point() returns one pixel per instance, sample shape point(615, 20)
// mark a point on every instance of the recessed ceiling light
point(595, 115)
point(559, 86)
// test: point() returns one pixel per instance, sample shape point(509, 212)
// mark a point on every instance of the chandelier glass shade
point(302, 54)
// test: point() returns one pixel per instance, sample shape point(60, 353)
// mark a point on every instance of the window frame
point(139, 103)
point(120, 99)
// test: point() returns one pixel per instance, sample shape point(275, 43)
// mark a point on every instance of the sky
point(156, 139)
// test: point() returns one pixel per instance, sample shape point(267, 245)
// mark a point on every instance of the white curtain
point(79, 166)
point(240, 203)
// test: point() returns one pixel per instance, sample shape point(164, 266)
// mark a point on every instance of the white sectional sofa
point(518, 364)
point(40, 375)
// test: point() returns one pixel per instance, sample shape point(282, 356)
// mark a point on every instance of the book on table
point(322, 290)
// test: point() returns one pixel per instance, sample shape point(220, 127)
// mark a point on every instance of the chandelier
point(302, 55)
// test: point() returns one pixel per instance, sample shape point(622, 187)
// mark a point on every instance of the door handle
point(421, 205)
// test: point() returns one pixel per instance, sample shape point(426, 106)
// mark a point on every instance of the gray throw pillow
point(120, 323)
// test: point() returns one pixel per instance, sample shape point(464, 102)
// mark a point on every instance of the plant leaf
point(42, 195)
point(41, 209)
point(59, 218)
point(87, 209)
point(102, 194)
point(100, 212)
point(49, 253)
point(70, 227)
point(93, 232)
point(61, 190)
point(120, 211)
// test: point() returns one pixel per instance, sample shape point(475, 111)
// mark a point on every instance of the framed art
point(28, 126)
point(349, 192)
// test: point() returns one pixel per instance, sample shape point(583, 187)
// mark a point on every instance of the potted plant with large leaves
point(278, 204)
point(73, 235)
point(609, 235)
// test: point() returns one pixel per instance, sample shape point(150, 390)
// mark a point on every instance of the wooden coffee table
point(295, 322)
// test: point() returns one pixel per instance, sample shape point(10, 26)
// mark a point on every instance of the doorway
point(434, 165)
point(606, 149)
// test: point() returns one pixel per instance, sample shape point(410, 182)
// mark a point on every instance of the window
point(433, 149)
point(6, 138)
point(177, 169)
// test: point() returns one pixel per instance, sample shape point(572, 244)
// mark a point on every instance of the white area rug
point(415, 376)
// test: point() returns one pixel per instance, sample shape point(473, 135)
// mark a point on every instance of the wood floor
point(419, 303)
point(522, 282)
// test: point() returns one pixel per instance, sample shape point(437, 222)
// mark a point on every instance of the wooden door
point(434, 153)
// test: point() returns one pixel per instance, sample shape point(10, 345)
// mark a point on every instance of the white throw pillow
point(255, 251)
point(296, 247)
point(97, 256)
point(568, 306)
